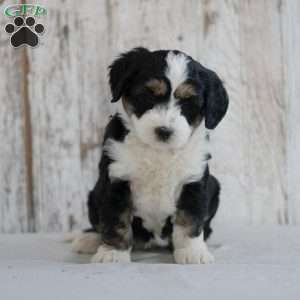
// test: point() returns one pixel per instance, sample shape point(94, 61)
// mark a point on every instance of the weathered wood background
point(54, 103)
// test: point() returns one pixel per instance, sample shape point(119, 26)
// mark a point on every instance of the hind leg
point(86, 243)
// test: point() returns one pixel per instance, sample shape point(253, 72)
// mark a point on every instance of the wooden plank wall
point(55, 102)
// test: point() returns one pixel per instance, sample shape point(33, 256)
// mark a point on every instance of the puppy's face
point(166, 95)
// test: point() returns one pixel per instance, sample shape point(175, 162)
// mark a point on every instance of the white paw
point(106, 254)
point(193, 255)
point(87, 243)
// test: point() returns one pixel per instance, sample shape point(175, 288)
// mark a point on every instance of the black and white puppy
point(154, 185)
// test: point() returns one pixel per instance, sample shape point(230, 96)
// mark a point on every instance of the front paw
point(193, 255)
point(106, 254)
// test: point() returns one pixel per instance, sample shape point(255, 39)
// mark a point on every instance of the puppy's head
point(166, 95)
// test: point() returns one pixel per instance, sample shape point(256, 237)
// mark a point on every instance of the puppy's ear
point(122, 70)
point(216, 99)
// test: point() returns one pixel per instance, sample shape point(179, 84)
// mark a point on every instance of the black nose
point(163, 133)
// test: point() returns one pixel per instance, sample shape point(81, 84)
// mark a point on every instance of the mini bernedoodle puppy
point(154, 186)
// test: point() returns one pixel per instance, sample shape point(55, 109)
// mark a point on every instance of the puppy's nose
point(163, 133)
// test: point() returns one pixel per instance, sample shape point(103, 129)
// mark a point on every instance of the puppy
point(154, 185)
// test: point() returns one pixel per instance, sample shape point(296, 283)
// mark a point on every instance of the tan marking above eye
point(157, 87)
point(184, 91)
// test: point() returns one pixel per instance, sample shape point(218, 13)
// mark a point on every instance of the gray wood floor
point(55, 103)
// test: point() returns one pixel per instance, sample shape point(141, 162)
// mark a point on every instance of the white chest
point(156, 177)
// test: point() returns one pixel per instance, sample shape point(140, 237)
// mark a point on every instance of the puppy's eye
point(156, 87)
point(191, 103)
point(185, 91)
point(186, 99)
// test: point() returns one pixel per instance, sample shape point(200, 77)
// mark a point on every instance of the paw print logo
point(24, 32)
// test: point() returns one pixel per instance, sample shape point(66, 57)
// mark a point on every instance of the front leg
point(188, 237)
point(114, 225)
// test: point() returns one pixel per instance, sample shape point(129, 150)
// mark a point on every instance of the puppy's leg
point(115, 224)
point(188, 237)
point(190, 250)
point(86, 243)
point(213, 189)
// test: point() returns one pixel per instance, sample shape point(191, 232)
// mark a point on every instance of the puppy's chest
point(156, 177)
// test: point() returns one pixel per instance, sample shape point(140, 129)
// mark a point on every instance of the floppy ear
point(216, 99)
point(123, 69)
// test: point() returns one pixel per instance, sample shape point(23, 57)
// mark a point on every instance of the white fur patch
point(166, 116)
point(190, 250)
point(176, 68)
point(86, 243)
point(107, 254)
point(157, 176)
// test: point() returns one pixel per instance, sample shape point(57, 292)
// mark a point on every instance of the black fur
point(140, 233)
point(133, 68)
point(216, 103)
point(109, 202)
point(167, 230)
point(198, 204)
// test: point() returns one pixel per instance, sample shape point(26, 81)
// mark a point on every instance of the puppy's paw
point(106, 254)
point(193, 255)
point(86, 243)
